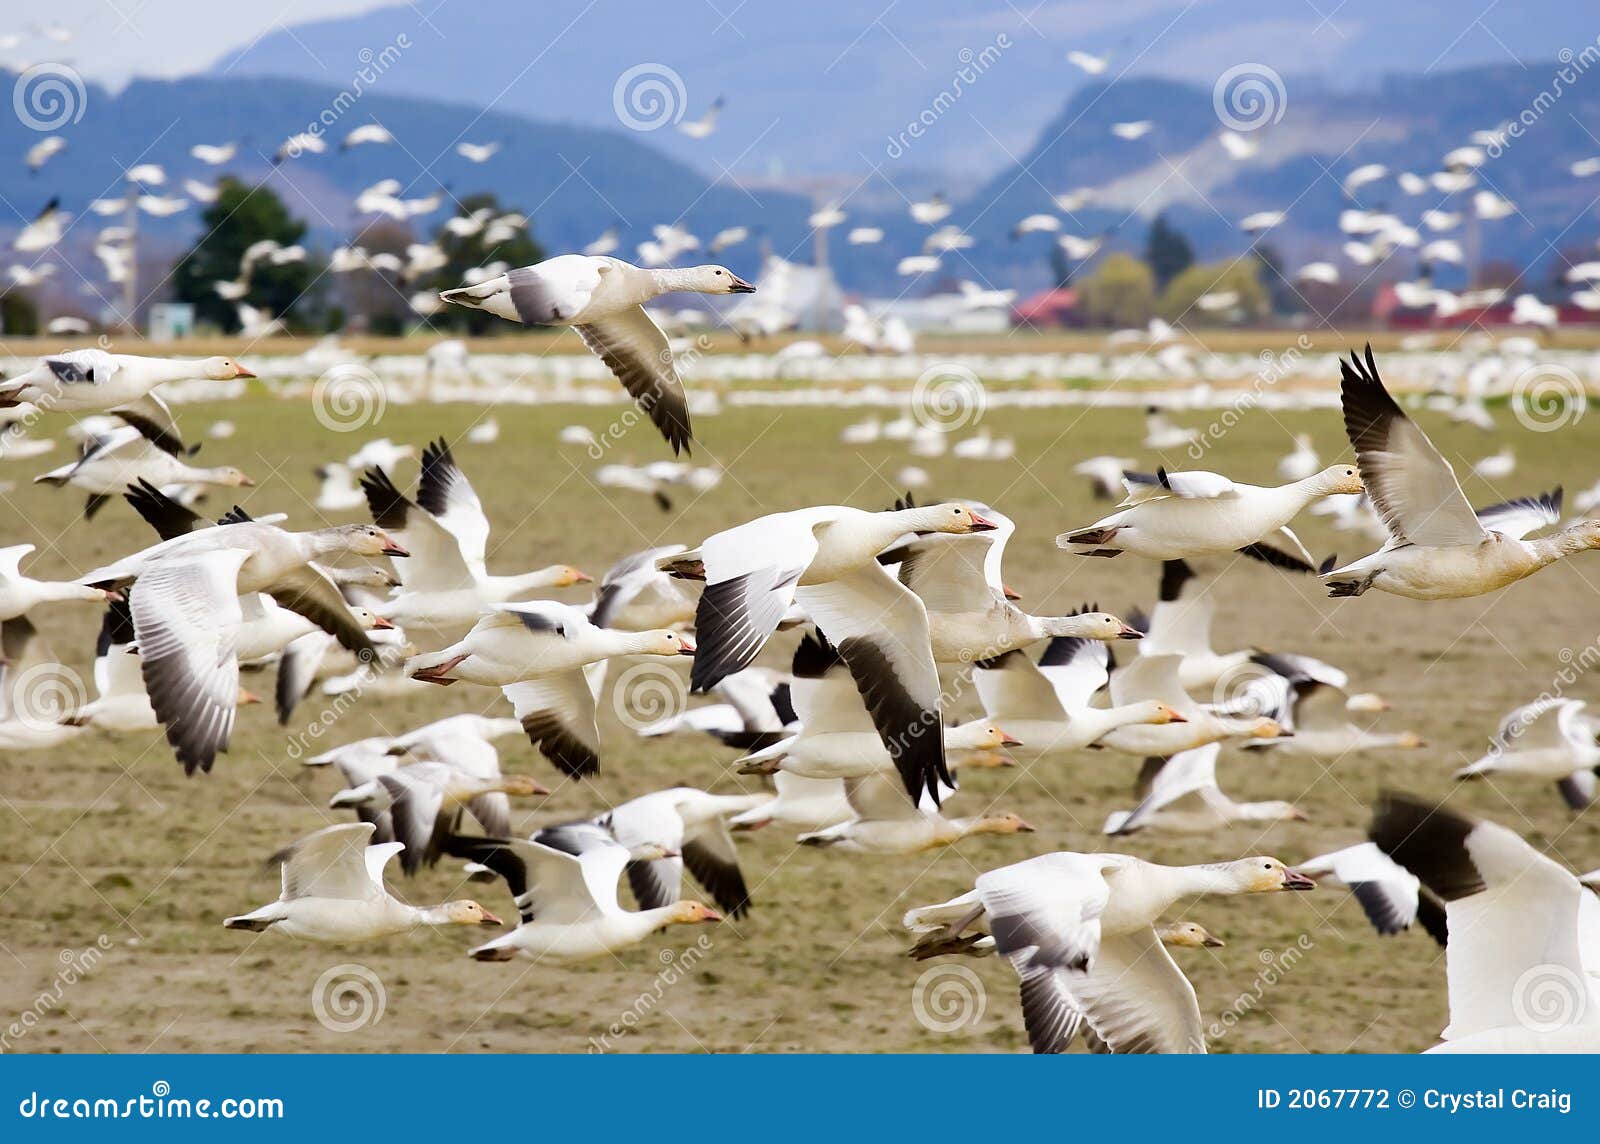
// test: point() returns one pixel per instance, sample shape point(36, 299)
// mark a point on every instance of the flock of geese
point(897, 611)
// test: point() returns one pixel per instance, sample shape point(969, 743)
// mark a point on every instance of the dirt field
point(105, 846)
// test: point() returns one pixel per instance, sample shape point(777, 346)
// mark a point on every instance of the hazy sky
point(113, 40)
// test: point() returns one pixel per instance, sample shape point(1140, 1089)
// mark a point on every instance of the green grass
point(106, 836)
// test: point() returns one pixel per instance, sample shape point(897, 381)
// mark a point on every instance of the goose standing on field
point(338, 491)
point(537, 653)
point(1181, 794)
point(1301, 463)
point(1387, 892)
point(568, 901)
point(1080, 931)
point(187, 614)
point(1518, 924)
point(92, 380)
point(692, 825)
point(444, 581)
point(1438, 548)
point(333, 891)
point(123, 457)
point(1104, 475)
point(1171, 516)
point(1161, 435)
point(603, 299)
point(826, 560)
point(1549, 738)
point(1049, 707)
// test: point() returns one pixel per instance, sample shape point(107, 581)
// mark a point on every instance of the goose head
point(1159, 713)
point(370, 621)
point(1262, 875)
point(522, 786)
point(1274, 811)
point(361, 540)
point(1264, 728)
point(692, 913)
point(651, 852)
point(1410, 741)
point(1338, 479)
point(566, 576)
point(663, 642)
point(713, 279)
point(466, 912)
point(979, 735)
point(231, 477)
point(1579, 536)
point(1105, 626)
point(223, 369)
point(1189, 935)
point(1366, 701)
point(956, 519)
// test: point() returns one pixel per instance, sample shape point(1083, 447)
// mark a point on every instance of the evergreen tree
point(464, 253)
point(240, 217)
point(1167, 251)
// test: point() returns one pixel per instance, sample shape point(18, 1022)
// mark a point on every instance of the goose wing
point(881, 630)
point(636, 351)
point(1011, 687)
point(444, 492)
point(1150, 677)
point(558, 713)
point(1516, 518)
point(1045, 912)
point(1408, 481)
point(1075, 668)
point(436, 563)
point(949, 573)
point(332, 863)
point(186, 617)
point(154, 421)
point(1386, 891)
point(1136, 999)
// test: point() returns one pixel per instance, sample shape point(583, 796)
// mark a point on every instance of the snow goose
point(1181, 795)
point(1155, 677)
point(113, 461)
point(338, 491)
point(958, 580)
point(886, 822)
point(1549, 738)
point(1169, 516)
point(1104, 475)
point(568, 901)
point(89, 380)
point(1388, 893)
point(1180, 624)
point(1516, 922)
point(444, 582)
point(758, 712)
point(826, 560)
point(635, 595)
point(692, 826)
point(425, 800)
point(1161, 435)
point(333, 891)
point(1438, 548)
point(187, 613)
point(537, 653)
point(1049, 706)
point(1080, 931)
point(1496, 466)
point(802, 803)
point(603, 299)
point(1318, 713)
point(20, 594)
point(359, 764)
point(1301, 463)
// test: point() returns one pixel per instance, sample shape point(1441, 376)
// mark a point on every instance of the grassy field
point(105, 845)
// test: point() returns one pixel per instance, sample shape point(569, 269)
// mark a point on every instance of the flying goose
point(1180, 624)
point(113, 461)
point(1550, 738)
point(1387, 892)
point(425, 801)
point(635, 595)
point(1155, 677)
point(826, 560)
point(187, 614)
point(1080, 931)
point(1161, 435)
point(568, 900)
point(803, 803)
point(1510, 913)
point(333, 892)
point(1048, 706)
point(20, 594)
point(1170, 516)
point(1180, 794)
point(603, 298)
point(1438, 548)
point(444, 583)
point(693, 826)
point(1318, 713)
point(884, 821)
point(537, 652)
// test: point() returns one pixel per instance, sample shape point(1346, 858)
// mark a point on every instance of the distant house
point(948, 313)
point(1049, 308)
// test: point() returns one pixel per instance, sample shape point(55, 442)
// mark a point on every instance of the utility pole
point(130, 281)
